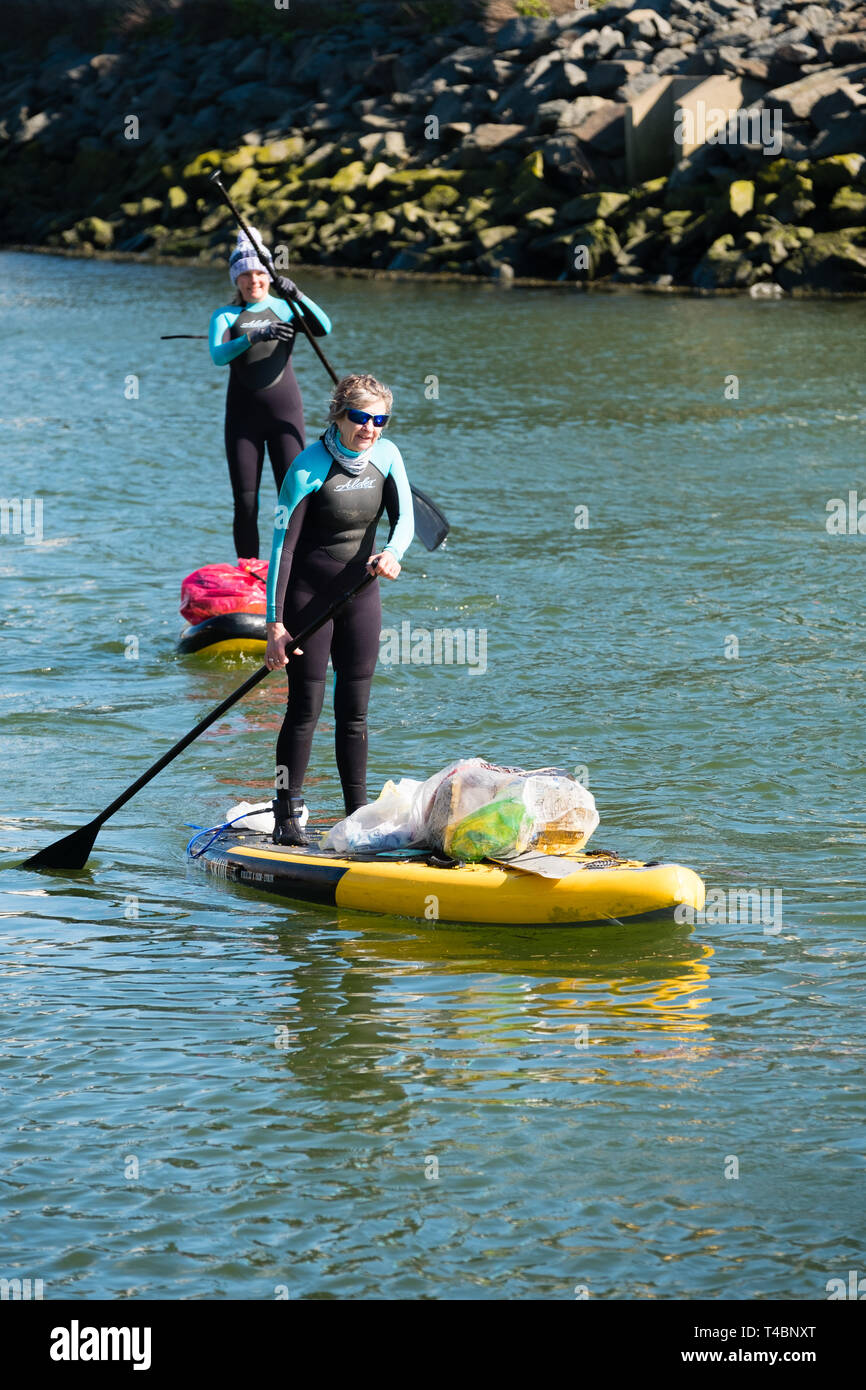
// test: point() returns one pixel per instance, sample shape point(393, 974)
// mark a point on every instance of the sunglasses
point(360, 417)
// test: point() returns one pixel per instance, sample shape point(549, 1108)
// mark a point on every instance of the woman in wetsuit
point(254, 337)
point(329, 507)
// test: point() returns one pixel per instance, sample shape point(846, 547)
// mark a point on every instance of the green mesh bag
point(500, 827)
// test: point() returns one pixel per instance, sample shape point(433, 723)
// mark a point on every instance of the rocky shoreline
point(514, 153)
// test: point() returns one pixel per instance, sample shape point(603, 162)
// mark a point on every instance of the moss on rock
point(741, 197)
point(848, 208)
point(350, 177)
point(244, 187)
point(203, 165)
point(827, 260)
point(440, 197)
point(95, 230)
point(589, 206)
point(836, 171)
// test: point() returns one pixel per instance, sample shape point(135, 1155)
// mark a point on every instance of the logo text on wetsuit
point(354, 485)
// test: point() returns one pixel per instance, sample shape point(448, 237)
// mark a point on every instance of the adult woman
point(254, 337)
point(330, 505)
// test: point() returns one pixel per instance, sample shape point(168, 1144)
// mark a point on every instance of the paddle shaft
point(266, 260)
point(87, 834)
point(230, 700)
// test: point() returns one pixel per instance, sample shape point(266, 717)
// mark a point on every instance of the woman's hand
point(266, 332)
point(385, 564)
point(278, 640)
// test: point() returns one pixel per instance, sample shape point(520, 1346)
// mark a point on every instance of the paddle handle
point(226, 704)
point(266, 260)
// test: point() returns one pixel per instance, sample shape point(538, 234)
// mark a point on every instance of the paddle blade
point(72, 852)
point(431, 527)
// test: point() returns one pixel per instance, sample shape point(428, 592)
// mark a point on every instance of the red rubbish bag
point(215, 589)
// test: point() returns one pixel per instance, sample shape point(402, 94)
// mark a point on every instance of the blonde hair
point(354, 390)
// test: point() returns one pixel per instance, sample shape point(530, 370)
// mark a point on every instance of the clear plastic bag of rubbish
point(473, 810)
point(477, 810)
point(386, 823)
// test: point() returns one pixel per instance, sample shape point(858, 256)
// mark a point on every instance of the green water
point(206, 1093)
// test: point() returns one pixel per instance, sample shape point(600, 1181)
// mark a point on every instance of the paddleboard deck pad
point(603, 886)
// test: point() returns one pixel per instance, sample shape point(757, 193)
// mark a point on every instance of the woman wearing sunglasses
point(329, 508)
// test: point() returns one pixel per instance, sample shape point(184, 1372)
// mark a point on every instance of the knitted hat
point(245, 257)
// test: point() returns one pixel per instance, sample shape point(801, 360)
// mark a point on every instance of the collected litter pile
point(473, 810)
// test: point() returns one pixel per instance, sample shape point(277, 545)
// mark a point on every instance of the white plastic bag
point(259, 817)
point(386, 823)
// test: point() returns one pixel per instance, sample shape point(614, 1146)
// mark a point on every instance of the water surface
point(209, 1094)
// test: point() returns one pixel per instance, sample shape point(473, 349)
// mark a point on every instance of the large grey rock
point(848, 96)
point(607, 76)
point(32, 127)
point(604, 43)
point(847, 48)
point(611, 13)
point(524, 34)
point(819, 20)
point(571, 79)
point(647, 23)
point(640, 83)
point(845, 134)
point(744, 36)
point(829, 261)
point(551, 114)
point(479, 148)
point(796, 99)
point(565, 162)
point(104, 64)
point(772, 45)
point(254, 65)
point(722, 266)
point(165, 95)
point(669, 59)
point(604, 130)
point(797, 53)
point(577, 111)
point(638, 49)
point(451, 106)
point(254, 100)
point(384, 144)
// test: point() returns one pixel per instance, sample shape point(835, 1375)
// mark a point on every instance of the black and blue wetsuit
point(324, 535)
point(263, 403)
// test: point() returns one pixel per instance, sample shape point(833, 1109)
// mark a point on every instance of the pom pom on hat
point(245, 257)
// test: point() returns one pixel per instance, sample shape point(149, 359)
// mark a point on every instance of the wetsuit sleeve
point(400, 511)
point(288, 519)
point(315, 318)
point(223, 353)
point(286, 556)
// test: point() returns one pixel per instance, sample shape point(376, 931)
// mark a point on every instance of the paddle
point(73, 851)
point(165, 336)
point(431, 525)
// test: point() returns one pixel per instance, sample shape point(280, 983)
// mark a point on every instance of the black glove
point(266, 332)
point(288, 286)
